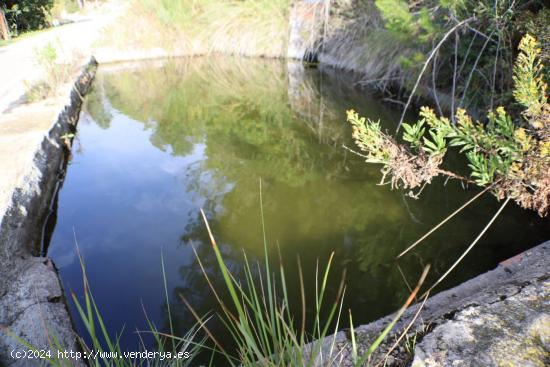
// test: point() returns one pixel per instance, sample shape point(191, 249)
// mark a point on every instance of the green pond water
point(159, 141)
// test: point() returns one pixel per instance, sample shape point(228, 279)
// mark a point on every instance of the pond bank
point(32, 302)
point(499, 318)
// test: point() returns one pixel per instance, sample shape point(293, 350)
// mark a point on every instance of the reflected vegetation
point(159, 141)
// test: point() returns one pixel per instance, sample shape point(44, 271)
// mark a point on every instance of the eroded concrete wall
point(306, 19)
point(32, 302)
point(500, 318)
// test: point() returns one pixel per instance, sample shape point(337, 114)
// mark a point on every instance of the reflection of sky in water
point(127, 202)
point(125, 216)
point(145, 163)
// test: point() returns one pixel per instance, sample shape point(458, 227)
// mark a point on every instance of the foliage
point(512, 158)
point(473, 66)
point(530, 88)
point(403, 23)
point(536, 24)
point(27, 15)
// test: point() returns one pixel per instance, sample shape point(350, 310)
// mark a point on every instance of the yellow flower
point(462, 118)
point(523, 139)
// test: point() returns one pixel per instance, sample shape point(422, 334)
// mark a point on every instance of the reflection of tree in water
point(255, 121)
point(97, 104)
point(242, 111)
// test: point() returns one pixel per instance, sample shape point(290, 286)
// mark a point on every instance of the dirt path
point(22, 127)
point(76, 39)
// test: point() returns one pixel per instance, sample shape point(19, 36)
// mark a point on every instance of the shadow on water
point(157, 142)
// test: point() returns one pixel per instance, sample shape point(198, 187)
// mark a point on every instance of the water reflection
point(159, 142)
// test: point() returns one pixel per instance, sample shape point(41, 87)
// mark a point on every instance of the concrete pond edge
point(32, 302)
point(499, 318)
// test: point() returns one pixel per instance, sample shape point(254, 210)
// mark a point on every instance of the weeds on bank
point(105, 348)
point(265, 328)
point(511, 159)
point(411, 340)
point(55, 73)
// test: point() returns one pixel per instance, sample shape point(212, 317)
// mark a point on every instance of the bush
point(55, 73)
point(473, 64)
point(509, 156)
point(27, 15)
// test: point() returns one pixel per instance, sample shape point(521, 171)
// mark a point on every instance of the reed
point(105, 348)
point(266, 328)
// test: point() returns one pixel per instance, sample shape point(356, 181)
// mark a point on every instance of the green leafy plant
point(511, 157)
point(27, 15)
point(414, 133)
point(404, 23)
point(467, 46)
point(530, 88)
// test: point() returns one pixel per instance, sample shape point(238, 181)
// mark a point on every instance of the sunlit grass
point(249, 27)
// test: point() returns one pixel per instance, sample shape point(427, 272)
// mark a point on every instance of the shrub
point(472, 66)
point(27, 15)
point(513, 159)
point(55, 73)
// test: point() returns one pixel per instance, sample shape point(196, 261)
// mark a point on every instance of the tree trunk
point(4, 28)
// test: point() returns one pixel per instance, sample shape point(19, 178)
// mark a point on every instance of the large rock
point(33, 309)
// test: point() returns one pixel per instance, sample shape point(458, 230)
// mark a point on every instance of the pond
point(158, 141)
